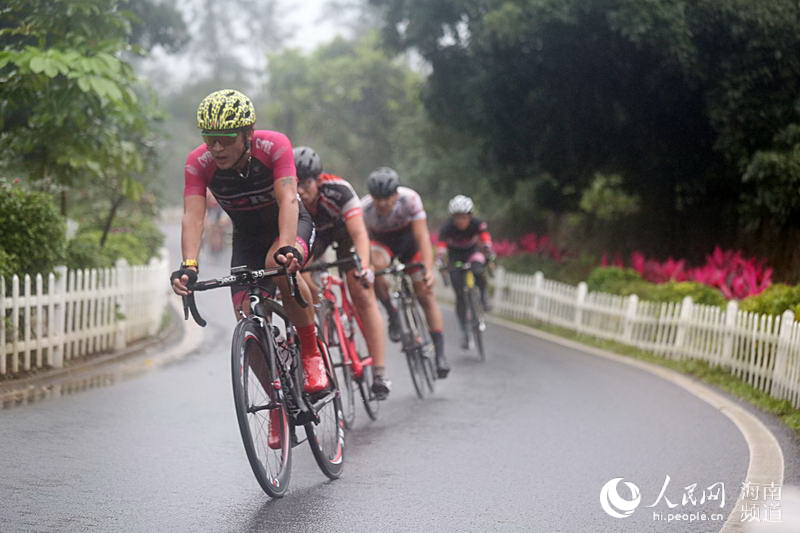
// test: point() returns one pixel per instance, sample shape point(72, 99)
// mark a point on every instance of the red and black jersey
point(337, 203)
point(461, 244)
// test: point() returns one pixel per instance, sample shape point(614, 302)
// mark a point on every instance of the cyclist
point(397, 224)
point(251, 173)
point(465, 238)
point(336, 210)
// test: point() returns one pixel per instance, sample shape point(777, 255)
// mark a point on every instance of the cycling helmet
point(307, 163)
point(460, 204)
point(383, 182)
point(225, 110)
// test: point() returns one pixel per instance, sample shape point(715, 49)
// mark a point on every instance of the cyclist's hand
point(289, 258)
point(181, 279)
point(427, 277)
point(366, 277)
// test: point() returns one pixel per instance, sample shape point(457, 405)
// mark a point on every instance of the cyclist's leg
point(380, 258)
point(366, 306)
point(316, 378)
point(433, 315)
point(478, 261)
point(457, 280)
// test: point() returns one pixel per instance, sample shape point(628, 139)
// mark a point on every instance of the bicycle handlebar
point(398, 268)
point(239, 276)
point(321, 267)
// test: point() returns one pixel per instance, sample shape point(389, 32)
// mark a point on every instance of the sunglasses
point(225, 139)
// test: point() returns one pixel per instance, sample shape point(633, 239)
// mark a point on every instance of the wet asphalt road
point(522, 443)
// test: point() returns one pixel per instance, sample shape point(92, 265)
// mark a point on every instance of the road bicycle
point(268, 385)
point(414, 335)
point(341, 329)
point(474, 323)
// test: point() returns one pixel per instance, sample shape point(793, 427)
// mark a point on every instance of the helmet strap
point(245, 151)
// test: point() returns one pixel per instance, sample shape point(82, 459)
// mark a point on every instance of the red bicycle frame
point(331, 282)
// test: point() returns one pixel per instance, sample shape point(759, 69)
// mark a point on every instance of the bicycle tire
point(343, 370)
point(426, 361)
point(359, 345)
point(247, 349)
point(477, 322)
point(412, 348)
point(327, 438)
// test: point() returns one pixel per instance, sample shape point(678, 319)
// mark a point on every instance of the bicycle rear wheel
point(359, 345)
point(343, 370)
point(326, 437)
point(412, 346)
point(478, 325)
point(261, 409)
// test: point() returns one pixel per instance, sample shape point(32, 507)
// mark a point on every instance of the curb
point(766, 463)
point(179, 339)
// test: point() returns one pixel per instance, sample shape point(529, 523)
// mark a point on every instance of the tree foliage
point(678, 98)
point(348, 100)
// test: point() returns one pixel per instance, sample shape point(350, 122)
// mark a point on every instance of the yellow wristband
point(190, 263)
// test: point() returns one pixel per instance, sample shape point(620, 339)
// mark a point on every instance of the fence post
point(631, 306)
point(782, 355)
point(683, 324)
point(726, 355)
point(498, 295)
point(58, 303)
point(538, 285)
point(122, 288)
point(580, 302)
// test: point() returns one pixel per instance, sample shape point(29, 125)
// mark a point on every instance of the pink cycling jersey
point(248, 197)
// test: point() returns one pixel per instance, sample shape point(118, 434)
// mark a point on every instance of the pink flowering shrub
point(727, 270)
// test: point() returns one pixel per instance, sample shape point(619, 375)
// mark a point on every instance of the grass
point(715, 376)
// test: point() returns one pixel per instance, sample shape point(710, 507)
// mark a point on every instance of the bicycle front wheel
point(478, 325)
point(261, 408)
point(426, 345)
point(326, 437)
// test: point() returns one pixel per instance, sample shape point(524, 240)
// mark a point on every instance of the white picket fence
point(46, 321)
point(762, 350)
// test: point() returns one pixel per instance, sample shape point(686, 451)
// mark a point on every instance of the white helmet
point(460, 204)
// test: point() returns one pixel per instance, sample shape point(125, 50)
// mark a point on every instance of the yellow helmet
point(227, 109)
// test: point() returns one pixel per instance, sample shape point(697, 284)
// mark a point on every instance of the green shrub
point(8, 264)
point(145, 230)
point(676, 291)
point(626, 281)
point(84, 251)
point(612, 279)
point(32, 232)
point(570, 270)
point(774, 300)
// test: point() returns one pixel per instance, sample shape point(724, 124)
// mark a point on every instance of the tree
point(347, 100)
point(69, 107)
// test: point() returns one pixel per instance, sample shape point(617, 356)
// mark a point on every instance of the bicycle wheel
point(260, 409)
point(412, 347)
point(359, 345)
point(426, 345)
point(343, 370)
point(326, 437)
point(371, 403)
point(478, 325)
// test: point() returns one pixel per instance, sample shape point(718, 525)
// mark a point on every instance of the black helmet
point(383, 182)
point(307, 163)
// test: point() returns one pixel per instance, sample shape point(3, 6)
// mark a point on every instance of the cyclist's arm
point(288, 210)
point(194, 214)
point(423, 238)
point(358, 233)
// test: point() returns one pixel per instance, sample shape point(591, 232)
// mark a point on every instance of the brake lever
point(295, 290)
point(189, 302)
